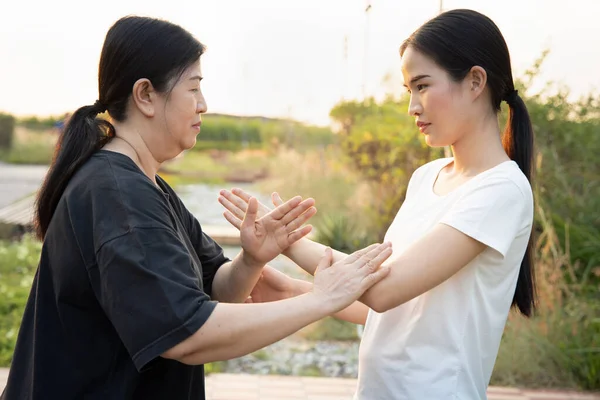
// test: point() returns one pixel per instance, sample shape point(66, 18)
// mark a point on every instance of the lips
point(422, 126)
point(197, 126)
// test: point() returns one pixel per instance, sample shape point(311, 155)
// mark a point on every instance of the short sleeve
point(491, 213)
point(209, 253)
point(148, 287)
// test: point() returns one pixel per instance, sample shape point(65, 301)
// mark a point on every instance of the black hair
point(458, 40)
point(134, 48)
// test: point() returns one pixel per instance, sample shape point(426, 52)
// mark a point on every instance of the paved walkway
point(272, 387)
point(18, 181)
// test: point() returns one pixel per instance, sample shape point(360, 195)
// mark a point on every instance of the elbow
point(177, 353)
point(382, 304)
point(378, 304)
point(380, 307)
point(191, 352)
point(188, 358)
point(172, 354)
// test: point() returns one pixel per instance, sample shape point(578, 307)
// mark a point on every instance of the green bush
point(561, 345)
point(225, 132)
point(208, 145)
point(342, 233)
point(330, 329)
point(36, 153)
point(39, 124)
point(7, 130)
point(19, 262)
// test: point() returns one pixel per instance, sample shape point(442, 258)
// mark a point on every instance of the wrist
point(250, 261)
point(301, 287)
point(319, 304)
point(289, 252)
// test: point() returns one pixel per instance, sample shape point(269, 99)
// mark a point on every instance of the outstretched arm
point(427, 263)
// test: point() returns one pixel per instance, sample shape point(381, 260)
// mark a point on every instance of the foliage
point(384, 147)
point(39, 123)
point(381, 142)
point(7, 128)
point(18, 265)
point(225, 132)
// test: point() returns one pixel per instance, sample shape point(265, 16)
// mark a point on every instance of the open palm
point(266, 237)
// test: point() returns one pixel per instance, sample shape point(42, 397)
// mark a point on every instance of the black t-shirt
point(125, 274)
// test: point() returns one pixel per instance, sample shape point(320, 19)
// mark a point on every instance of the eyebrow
point(196, 77)
point(416, 78)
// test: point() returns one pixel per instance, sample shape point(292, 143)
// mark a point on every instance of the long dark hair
point(458, 40)
point(134, 48)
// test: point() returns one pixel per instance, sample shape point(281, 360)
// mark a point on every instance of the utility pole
point(366, 51)
point(345, 70)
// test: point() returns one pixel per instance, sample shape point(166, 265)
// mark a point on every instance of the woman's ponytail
point(518, 144)
point(84, 134)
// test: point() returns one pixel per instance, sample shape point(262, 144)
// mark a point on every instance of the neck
point(480, 148)
point(129, 142)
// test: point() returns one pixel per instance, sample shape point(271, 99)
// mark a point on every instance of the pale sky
point(278, 58)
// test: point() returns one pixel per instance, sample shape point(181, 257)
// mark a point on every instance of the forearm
point(234, 281)
point(355, 313)
point(307, 254)
point(234, 330)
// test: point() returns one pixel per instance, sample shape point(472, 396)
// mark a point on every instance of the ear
point(144, 97)
point(476, 80)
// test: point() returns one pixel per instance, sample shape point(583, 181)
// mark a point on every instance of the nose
point(201, 106)
point(414, 106)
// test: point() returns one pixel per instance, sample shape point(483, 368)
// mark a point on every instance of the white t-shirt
point(443, 344)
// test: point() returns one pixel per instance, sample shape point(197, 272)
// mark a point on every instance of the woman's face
point(180, 112)
point(437, 102)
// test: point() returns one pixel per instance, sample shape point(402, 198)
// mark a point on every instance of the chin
point(188, 144)
point(435, 142)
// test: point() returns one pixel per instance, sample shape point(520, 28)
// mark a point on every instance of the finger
point(301, 220)
point(236, 222)
point(251, 212)
point(276, 199)
point(375, 277)
point(285, 208)
point(369, 257)
point(241, 194)
point(241, 199)
point(359, 253)
point(233, 208)
point(373, 264)
point(299, 234)
point(235, 199)
point(297, 211)
point(325, 261)
point(270, 273)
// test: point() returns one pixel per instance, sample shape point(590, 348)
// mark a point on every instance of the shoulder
point(427, 170)
point(502, 189)
point(110, 175)
point(507, 179)
point(114, 196)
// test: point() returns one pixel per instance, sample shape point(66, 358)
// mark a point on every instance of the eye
point(421, 87)
point(196, 90)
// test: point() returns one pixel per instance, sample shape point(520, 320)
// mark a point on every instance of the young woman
point(461, 239)
point(131, 297)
